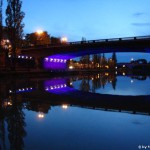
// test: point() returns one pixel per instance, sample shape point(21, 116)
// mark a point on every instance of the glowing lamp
point(40, 115)
point(64, 106)
point(64, 39)
point(70, 67)
point(39, 32)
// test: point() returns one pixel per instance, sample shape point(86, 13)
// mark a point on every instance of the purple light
point(22, 90)
point(56, 62)
point(57, 86)
point(46, 59)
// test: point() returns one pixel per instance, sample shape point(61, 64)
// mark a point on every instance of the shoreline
point(47, 73)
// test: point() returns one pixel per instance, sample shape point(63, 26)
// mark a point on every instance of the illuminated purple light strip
point(57, 86)
point(22, 90)
point(56, 62)
point(21, 57)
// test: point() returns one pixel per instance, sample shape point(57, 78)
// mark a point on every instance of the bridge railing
point(143, 37)
point(94, 41)
point(111, 39)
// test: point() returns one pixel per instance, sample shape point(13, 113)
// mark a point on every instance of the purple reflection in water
point(57, 86)
point(22, 90)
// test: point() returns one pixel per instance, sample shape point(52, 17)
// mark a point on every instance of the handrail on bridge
point(93, 41)
point(111, 39)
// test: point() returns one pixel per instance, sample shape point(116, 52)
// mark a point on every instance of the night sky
point(92, 19)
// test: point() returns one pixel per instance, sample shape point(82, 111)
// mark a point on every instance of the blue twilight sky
point(92, 19)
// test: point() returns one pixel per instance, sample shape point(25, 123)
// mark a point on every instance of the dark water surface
point(90, 112)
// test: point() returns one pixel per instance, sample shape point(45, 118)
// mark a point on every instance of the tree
point(16, 127)
point(114, 82)
point(95, 60)
point(55, 40)
point(36, 38)
point(14, 17)
point(1, 24)
point(114, 58)
point(85, 60)
point(103, 60)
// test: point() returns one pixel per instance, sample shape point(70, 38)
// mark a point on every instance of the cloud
point(138, 14)
point(141, 24)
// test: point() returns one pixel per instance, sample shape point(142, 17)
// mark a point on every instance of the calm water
point(94, 112)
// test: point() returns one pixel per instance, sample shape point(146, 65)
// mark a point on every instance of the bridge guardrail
point(114, 39)
point(111, 39)
point(143, 37)
point(94, 41)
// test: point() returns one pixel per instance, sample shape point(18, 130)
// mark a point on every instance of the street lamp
point(39, 32)
point(64, 40)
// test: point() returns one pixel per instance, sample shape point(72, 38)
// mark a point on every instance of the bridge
point(56, 55)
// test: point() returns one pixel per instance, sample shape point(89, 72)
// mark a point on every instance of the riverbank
point(48, 73)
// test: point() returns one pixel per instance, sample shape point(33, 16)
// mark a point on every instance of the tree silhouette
point(95, 60)
point(38, 39)
point(103, 60)
point(2, 128)
point(114, 82)
point(85, 85)
point(16, 123)
point(14, 17)
point(114, 58)
point(2, 134)
point(1, 24)
point(85, 60)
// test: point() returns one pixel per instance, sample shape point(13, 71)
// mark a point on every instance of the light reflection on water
point(102, 84)
point(123, 85)
point(78, 128)
point(49, 116)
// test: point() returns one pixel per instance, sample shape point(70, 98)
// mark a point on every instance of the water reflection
point(91, 83)
point(12, 118)
point(40, 115)
point(19, 99)
point(107, 83)
point(64, 106)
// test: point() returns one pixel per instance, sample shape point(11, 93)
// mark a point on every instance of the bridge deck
point(127, 44)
